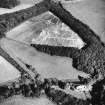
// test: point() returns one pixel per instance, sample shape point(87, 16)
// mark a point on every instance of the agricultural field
point(47, 29)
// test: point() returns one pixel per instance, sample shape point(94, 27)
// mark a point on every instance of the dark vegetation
point(90, 59)
point(11, 20)
point(62, 98)
point(9, 3)
point(98, 93)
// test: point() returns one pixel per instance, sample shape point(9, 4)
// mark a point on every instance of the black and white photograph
point(52, 52)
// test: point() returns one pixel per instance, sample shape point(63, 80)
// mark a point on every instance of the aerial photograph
point(52, 52)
